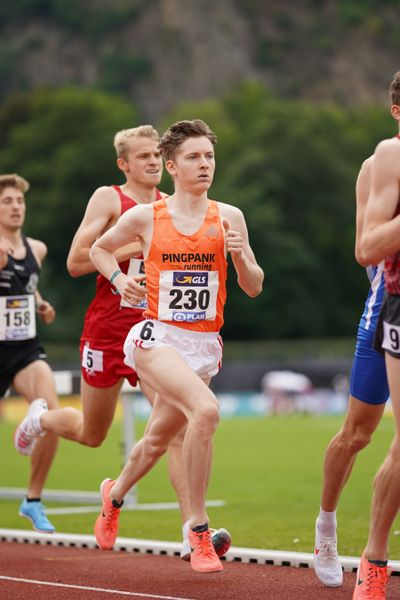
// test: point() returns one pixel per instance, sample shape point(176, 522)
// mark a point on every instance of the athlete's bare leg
point(37, 381)
point(176, 469)
point(386, 499)
point(158, 367)
point(89, 426)
point(360, 423)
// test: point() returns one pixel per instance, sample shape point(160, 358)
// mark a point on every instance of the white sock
point(326, 523)
point(35, 420)
point(185, 529)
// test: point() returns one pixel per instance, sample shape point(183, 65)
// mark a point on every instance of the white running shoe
point(29, 430)
point(327, 565)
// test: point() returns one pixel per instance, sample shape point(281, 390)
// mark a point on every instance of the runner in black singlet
point(23, 362)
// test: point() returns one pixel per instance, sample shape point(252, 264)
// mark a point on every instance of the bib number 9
point(391, 337)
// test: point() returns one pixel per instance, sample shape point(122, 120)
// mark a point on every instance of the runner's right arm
point(363, 188)
point(133, 224)
point(102, 211)
point(381, 229)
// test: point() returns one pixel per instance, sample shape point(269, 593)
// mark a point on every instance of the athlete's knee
point(93, 439)
point(206, 418)
point(154, 446)
point(354, 439)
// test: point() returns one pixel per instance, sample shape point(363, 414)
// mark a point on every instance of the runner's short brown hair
point(394, 89)
point(175, 135)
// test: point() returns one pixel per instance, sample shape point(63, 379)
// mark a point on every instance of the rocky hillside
point(163, 52)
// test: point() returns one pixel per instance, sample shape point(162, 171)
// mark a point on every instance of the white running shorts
point(201, 350)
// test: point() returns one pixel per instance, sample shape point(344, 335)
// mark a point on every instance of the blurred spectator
point(283, 389)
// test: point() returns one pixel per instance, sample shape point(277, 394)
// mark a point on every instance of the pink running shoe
point(106, 526)
point(371, 581)
point(203, 557)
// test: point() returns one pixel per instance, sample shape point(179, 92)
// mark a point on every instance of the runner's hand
point(46, 312)
point(233, 239)
point(130, 288)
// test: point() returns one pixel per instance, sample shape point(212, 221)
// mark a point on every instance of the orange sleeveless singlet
point(186, 274)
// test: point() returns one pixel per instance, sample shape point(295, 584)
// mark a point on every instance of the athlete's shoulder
point(388, 146)
point(140, 212)
point(229, 211)
point(38, 247)
point(386, 163)
point(366, 166)
point(105, 198)
point(363, 183)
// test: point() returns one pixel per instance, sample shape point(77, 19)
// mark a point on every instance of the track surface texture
point(26, 570)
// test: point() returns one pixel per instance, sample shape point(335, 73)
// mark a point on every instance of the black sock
point(32, 499)
point(378, 563)
point(200, 528)
point(117, 504)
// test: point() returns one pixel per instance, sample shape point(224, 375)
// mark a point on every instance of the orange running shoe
point(203, 557)
point(106, 526)
point(371, 581)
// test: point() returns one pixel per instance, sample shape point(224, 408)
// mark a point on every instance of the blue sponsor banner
point(253, 404)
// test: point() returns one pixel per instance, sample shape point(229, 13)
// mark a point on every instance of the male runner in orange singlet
point(185, 240)
point(109, 318)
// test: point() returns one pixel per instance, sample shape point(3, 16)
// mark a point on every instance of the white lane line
point(91, 589)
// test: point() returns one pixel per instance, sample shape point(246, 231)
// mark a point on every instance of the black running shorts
point(15, 356)
point(387, 335)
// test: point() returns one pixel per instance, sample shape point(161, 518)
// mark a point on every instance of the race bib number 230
point(188, 296)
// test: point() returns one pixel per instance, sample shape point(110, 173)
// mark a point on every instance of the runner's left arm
point(43, 308)
point(129, 227)
point(249, 273)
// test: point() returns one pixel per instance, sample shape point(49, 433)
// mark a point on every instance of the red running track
point(52, 572)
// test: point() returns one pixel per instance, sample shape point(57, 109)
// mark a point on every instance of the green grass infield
point(268, 470)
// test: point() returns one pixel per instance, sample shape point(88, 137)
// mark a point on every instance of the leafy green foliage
point(289, 166)
point(61, 141)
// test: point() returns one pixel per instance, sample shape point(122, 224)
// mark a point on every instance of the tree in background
point(62, 142)
point(290, 166)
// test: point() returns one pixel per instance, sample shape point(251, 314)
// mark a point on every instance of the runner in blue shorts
point(369, 392)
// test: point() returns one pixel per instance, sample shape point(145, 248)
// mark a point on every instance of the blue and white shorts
point(368, 380)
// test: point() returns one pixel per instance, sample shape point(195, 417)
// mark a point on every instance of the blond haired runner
point(177, 349)
point(109, 317)
point(23, 362)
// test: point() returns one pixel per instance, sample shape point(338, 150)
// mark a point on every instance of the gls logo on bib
point(192, 279)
